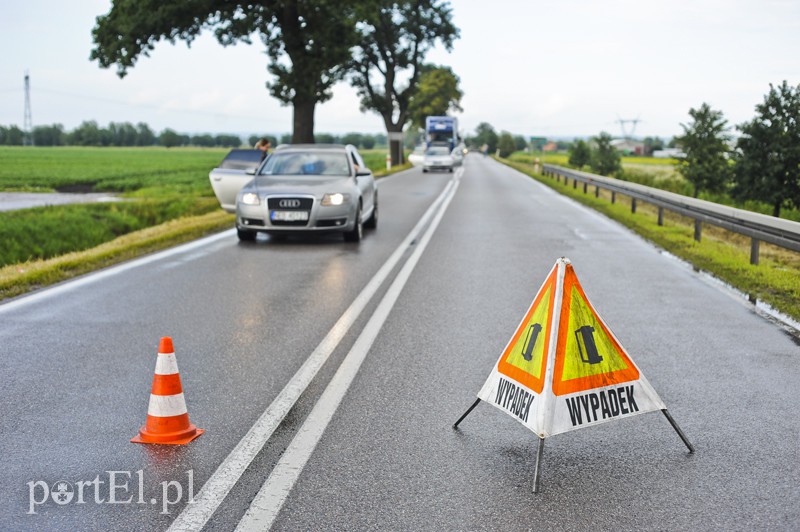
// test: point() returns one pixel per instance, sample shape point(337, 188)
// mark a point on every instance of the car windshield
point(438, 150)
point(307, 163)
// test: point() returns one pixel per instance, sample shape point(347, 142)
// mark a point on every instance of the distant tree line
point(359, 140)
point(89, 133)
point(126, 134)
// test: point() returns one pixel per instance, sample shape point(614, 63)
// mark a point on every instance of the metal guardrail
point(759, 227)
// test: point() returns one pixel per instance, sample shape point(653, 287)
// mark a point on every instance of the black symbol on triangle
point(530, 341)
point(589, 354)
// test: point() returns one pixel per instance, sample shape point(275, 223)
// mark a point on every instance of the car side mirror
point(362, 173)
point(250, 171)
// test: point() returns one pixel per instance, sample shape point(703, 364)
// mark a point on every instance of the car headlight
point(250, 198)
point(330, 200)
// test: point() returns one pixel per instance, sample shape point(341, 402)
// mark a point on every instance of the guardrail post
point(575, 184)
point(755, 244)
point(585, 187)
point(633, 205)
point(698, 225)
point(661, 216)
point(613, 197)
point(597, 191)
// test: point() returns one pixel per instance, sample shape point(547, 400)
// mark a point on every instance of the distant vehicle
point(234, 172)
point(438, 157)
point(441, 129)
point(309, 188)
point(417, 156)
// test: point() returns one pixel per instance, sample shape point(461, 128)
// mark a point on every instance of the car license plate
point(288, 216)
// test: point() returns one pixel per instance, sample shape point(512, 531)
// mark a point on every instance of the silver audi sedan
point(309, 188)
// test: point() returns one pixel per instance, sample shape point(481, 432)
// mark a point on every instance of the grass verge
point(725, 255)
point(17, 279)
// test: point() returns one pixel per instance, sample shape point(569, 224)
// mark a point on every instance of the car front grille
point(290, 203)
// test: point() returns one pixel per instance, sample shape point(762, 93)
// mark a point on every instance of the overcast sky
point(557, 68)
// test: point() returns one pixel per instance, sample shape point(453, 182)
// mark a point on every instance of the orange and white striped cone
point(167, 417)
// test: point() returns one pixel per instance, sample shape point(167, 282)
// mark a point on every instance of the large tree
point(437, 94)
point(768, 156)
point(705, 143)
point(394, 38)
point(308, 41)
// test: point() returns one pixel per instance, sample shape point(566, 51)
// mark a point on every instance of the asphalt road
point(375, 450)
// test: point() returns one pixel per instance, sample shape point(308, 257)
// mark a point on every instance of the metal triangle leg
point(539, 451)
point(678, 430)
point(455, 425)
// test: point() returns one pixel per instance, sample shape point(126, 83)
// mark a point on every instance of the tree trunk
point(303, 121)
point(395, 144)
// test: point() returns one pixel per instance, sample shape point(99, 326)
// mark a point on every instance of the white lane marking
point(194, 516)
point(109, 272)
point(270, 498)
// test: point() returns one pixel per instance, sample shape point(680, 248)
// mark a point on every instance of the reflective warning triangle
point(563, 368)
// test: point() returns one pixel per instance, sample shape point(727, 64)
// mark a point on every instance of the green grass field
point(108, 169)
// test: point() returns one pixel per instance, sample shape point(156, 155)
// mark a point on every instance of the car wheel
point(245, 235)
point(424, 170)
point(372, 223)
point(358, 230)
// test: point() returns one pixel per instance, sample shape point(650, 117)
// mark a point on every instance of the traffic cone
point(167, 417)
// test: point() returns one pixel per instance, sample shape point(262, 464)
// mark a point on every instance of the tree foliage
point(768, 156)
point(705, 143)
point(437, 93)
point(580, 155)
point(308, 41)
point(505, 144)
point(485, 135)
point(605, 159)
point(394, 38)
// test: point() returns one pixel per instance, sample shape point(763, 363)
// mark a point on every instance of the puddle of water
point(10, 201)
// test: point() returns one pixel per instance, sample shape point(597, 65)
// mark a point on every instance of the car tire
point(424, 170)
point(355, 234)
point(245, 235)
point(372, 223)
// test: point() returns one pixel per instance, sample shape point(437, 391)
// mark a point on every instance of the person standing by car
point(264, 145)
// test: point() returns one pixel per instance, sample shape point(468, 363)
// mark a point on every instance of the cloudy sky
point(556, 68)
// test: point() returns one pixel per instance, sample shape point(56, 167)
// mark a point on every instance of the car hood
point(295, 185)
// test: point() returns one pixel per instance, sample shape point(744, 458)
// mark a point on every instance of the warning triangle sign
point(563, 368)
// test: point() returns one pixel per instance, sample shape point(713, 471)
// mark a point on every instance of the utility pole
point(27, 123)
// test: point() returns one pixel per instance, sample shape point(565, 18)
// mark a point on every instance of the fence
point(759, 227)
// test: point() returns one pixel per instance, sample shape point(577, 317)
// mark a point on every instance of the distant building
point(669, 153)
point(550, 146)
point(628, 146)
